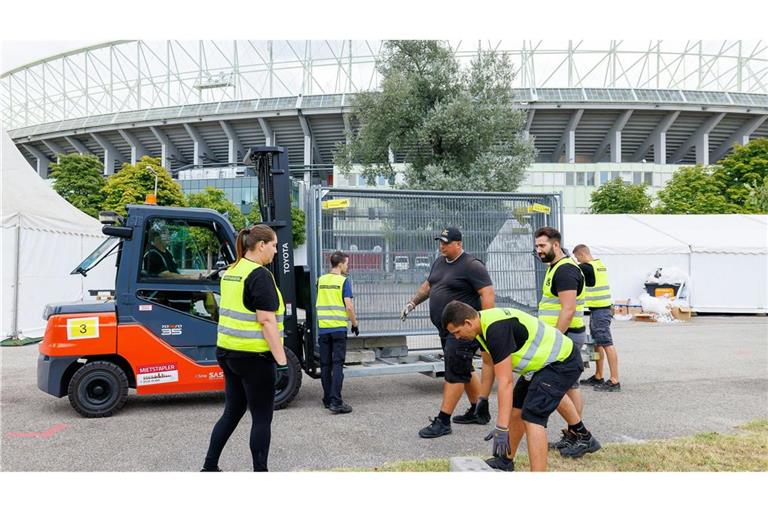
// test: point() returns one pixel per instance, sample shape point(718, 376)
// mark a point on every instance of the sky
point(17, 53)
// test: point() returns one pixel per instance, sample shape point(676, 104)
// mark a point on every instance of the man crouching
point(548, 365)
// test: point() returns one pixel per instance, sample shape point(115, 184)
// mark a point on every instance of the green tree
point(298, 222)
point(693, 190)
point(757, 201)
point(456, 128)
point(79, 179)
point(741, 171)
point(616, 196)
point(214, 199)
point(132, 183)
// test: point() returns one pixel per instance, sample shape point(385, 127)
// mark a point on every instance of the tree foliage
point(298, 222)
point(743, 171)
point(757, 201)
point(616, 196)
point(693, 190)
point(455, 128)
point(79, 179)
point(132, 183)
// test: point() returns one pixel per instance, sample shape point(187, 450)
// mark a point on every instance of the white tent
point(44, 238)
point(726, 256)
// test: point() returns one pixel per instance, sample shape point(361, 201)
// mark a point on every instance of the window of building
point(590, 179)
point(570, 178)
point(648, 178)
point(580, 178)
point(605, 177)
point(637, 178)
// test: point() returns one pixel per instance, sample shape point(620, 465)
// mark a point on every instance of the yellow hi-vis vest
point(599, 296)
point(549, 305)
point(545, 344)
point(331, 311)
point(238, 328)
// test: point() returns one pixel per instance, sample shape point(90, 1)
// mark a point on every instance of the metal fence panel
point(390, 237)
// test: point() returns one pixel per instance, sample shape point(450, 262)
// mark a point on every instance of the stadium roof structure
point(204, 102)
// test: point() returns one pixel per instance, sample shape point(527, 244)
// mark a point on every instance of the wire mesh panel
point(390, 238)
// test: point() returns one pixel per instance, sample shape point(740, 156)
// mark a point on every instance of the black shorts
point(539, 397)
point(600, 326)
point(458, 355)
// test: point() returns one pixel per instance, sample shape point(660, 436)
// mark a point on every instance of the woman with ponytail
point(249, 344)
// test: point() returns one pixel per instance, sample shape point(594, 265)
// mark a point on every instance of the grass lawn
point(744, 450)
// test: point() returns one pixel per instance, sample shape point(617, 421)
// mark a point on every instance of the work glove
point(406, 310)
point(355, 330)
point(282, 375)
point(500, 438)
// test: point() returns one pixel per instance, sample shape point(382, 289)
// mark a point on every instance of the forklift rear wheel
point(98, 389)
point(288, 387)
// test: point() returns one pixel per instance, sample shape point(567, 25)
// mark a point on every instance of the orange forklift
point(158, 335)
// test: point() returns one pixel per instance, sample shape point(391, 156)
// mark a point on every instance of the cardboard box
point(623, 307)
point(682, 314)
point(644, 317)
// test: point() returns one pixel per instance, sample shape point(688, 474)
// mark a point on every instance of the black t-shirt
point(568, 277)
point(589, 273)
point(157, 261)
point(505, 337)
point(459, 280)
point(259, 291)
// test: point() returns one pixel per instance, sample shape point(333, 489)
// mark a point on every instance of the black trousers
point(333, 351)
point(249, 385)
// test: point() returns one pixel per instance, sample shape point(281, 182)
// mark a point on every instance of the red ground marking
point(45, 434)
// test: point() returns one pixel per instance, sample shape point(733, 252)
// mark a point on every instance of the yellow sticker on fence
point(82, 328)
point(539, 208)
point(333, 204)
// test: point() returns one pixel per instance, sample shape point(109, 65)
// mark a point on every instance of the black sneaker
point(327, 405)
point(483, 413)
point(501, 463)
point(436, 429)
point(469, 417)
point(609, 387)
point(206, 470)
point(342, 408)
point(581, 446)
point(592, 381)
point(566, 440)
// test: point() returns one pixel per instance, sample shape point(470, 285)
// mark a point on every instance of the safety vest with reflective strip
point(549, 305)
point(238, 328)
point(545, 344)
point(599, 296)
point(331, 311)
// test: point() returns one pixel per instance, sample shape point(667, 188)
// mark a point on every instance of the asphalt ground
point(677, 379)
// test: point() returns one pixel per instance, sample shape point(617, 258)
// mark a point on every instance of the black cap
point(449, 235)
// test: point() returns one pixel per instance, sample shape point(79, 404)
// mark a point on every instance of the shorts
point(539, 397)
point(578, 339)
point(458, 356)
point(600, 326)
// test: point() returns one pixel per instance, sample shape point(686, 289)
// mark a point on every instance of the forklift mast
point(270, 166)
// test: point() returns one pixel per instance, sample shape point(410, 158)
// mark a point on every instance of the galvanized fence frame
point(383, 224)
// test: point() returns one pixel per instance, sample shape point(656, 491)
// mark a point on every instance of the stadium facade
point(637, 111)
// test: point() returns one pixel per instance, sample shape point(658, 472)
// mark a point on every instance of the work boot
point(470, 416)
point(215, 470)
point(609, 387)
point(501, 463)
point(436, 429)
point(592, 381)
point(582, 445)
point(342, 408)
point(327, 405)
point(483, 413)
point(566, 440)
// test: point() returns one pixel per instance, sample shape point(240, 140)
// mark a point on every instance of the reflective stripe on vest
point(238, 328)
point(545, 344)
point(549, 305)
point(599, 296)
point(331, 311)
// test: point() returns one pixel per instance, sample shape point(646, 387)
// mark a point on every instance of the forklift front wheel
point(98, 389)
point(288, 386)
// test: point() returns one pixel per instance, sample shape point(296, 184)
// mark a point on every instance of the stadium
point(595, 111)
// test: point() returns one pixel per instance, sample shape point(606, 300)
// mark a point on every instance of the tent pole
point(15, 318)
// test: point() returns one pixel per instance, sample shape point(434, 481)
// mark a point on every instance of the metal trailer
point(375, 225)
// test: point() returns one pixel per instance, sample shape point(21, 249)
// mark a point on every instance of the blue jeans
point(333, 351)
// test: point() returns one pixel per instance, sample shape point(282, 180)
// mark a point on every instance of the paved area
point(705, 375)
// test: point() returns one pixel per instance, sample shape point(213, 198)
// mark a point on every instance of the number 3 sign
point(81, 328)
